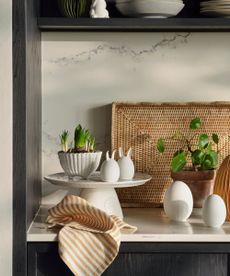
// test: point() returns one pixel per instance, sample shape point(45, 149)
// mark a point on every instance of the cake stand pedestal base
point(100, 194)
point(105, 199)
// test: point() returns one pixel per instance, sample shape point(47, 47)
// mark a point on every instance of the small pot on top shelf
point(74, 8)
point(199, 150)
point(82, 159)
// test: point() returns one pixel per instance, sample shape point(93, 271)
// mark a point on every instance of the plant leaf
point(209, 148)
point(80, 137)
point(198, 157)
point(203, 141)
point(64, 140)
point(178, 162)
point(210, 161)
point(215, 138)
point(195, 123)
point(207, 164)
point(214, 156)
point(161, 145)
point(91, 143)
point(64, 136)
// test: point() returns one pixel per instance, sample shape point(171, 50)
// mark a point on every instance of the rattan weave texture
point(140, 125)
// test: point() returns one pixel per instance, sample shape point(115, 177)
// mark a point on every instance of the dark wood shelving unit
point(189, 19)
point(30, 19)
point(134, 24)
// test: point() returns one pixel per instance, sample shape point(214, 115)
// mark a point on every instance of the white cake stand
point(98, 193)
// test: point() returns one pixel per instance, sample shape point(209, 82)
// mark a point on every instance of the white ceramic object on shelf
point(178, 201)
point(215, 8)
point(94, 181)
point(126, 165)
point(150, 8)
point(104, 199)
point(98, 9)
point(110, 171)
point(214, 211)
point(98, 193)
point(80, 164)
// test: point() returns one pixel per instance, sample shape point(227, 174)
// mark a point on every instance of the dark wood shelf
point(134, 24)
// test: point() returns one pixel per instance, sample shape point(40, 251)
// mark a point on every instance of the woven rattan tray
point(140, 125)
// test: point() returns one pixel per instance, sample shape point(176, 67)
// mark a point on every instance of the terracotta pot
point(201, 183)
point(222, 184)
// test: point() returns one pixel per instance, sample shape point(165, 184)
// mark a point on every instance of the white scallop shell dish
point(178, 201)
point(214, 211)
point(80, 164)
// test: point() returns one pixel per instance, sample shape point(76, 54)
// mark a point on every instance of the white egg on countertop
point(214, 211)
point(178, 201)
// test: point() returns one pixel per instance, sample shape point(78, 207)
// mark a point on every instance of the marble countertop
point(153, 226)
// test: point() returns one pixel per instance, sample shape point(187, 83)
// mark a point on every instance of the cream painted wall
point(84, 72)
point(6, 137)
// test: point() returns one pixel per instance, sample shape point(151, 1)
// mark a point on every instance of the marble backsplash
point(83, 73)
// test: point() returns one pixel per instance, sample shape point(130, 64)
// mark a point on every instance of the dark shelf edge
point(134, 24)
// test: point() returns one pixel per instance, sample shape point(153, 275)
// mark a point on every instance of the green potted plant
point(195, 161)
point(74, 8)
point(79, 158)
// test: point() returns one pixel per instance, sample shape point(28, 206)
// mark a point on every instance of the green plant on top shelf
point(74, 8)
point(195, 148)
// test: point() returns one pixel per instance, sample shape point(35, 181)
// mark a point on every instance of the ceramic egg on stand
point(126, 165)
point(178, 201)
point(110, 171)
point(214, 211)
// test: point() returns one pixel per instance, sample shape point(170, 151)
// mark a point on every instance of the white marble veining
point(152, 224)
point(84, 72)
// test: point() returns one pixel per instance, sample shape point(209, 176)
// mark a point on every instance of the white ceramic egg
point(110, 171)
point(214, 211)
point(126, 165)
point(178, 201)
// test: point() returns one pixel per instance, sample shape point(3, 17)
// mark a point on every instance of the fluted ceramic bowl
point(80, 164)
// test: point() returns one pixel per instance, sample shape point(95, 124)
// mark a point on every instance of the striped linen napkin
point(89, 239)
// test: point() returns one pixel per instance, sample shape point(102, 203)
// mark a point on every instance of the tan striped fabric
point(89, 239)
